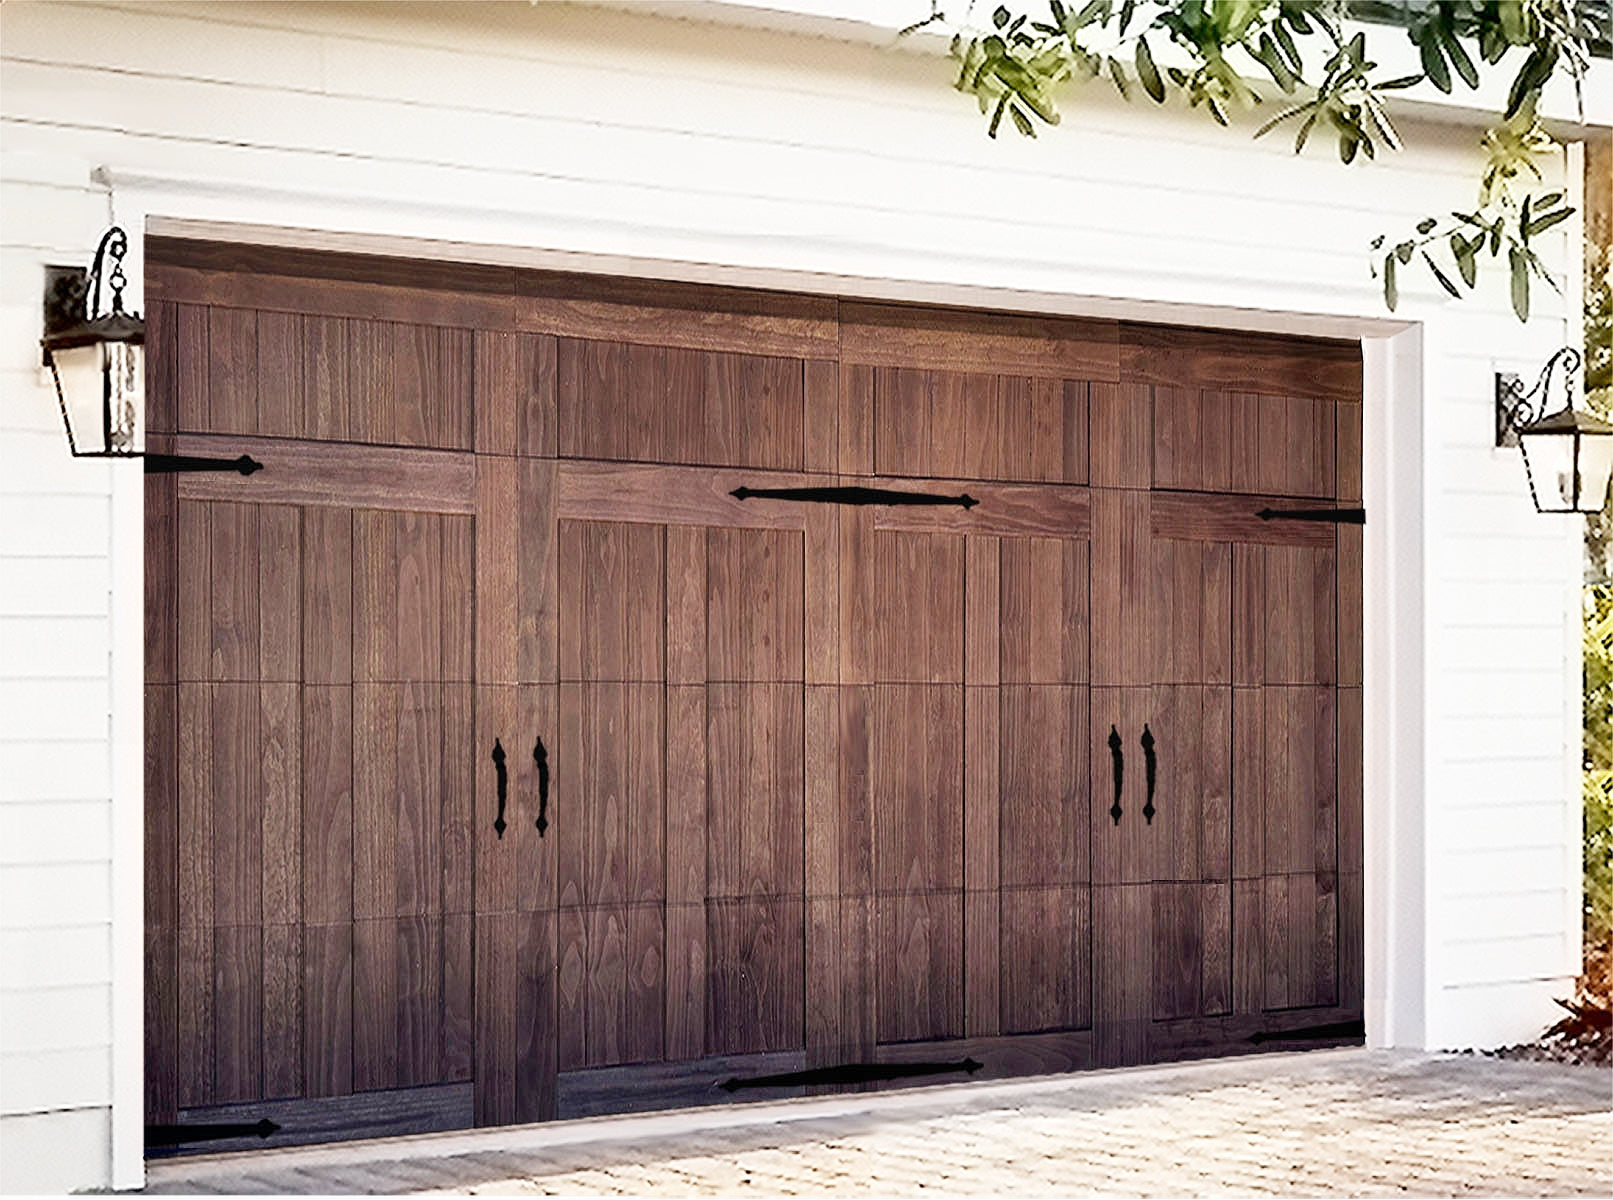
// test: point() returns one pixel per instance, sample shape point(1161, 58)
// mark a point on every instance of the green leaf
point(1440, 275)
point(1434, 61)
point(1349, 143)
point(1000, 17)
point(1118, 74)
point(1548, 200)
point(1458, 56)
point(1404, 251)
point(1057, 9)
point(1547, 220)
point(1305, 131)
point(1089, 13)
point(1285, 40)
point(1148, 73)
point(1462, 250)
point(1426, 224)
point(1126, 11)
point(1403, 81)
point(1391, 290)
point(1523, 219)
point(1520, 283)
point(1495, 235)
point(1377, 242)
point(1022, 122)
point(1274, 64)
point(997, 116)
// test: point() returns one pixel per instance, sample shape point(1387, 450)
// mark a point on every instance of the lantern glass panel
point(80, 380)
point(124, 364)
point(1595, 469)
point(1549, 458)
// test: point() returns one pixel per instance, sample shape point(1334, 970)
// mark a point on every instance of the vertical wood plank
point(537, 871)
point(233, 567)
point(644, 998)
point(1044, 835)
point(497, 390)
point(571, 981)
point(372, 382)
point(822, 837)
point(1348, 638)
point(494, 1093)
point(982, 925)
point(162, 767)
point(535, 1043)
point(1122, 619)
point(686, 820)
point(538, 425)
point(901, 410)
point(496, 859)
point(856, 424)
point(644, 408)
point(418, 801)
point(195, 832)
point(325, 386)
point(279, 588)
point(196, 1016)
point(327, 1033)
point(685, 604)
point(282, 1011)
point(820, 582)
point(327, 800)
point(375, 1004)
point(820, 425)
point(375, 596)
point(687, 372)
point(327, 596)
point(606, 987)
point(162, 367)
point(1347, 471)
point(237, 803)
point(1076, 403)
point(419, 998)
point(459, 997)
point(456, 581)
point(192, 368)
point(162, 1045)
point(237, 1013)
point(1123, 970)
point(984, 628)
point(1120, 429)
point(1047, 950)
point(686, 970)
point(919, 982)
point(280, 374)
point(498, 570)
point(375, 790)
point(195, 590)
point(162, 582)
point(280, 747)
point(232, 376)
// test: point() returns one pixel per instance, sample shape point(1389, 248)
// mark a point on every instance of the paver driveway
point(1337, 1122)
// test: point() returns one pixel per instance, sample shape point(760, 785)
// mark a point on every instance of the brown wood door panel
point(919, 965)
point(1047, 951)
point(1044, 822)
point(756, 981)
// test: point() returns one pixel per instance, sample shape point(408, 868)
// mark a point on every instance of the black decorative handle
point(1150, 769)
point(1334, 516)
point(1119, 758)
point(852, 495)
point(541, 756)
point(503, 787)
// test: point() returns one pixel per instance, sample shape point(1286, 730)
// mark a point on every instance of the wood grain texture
point(514, 380)
point(755, 581)
point(537, 587)
point(326, 393)
point(498, 570)
point(670, 495)
point(695, 316)
point(334, 475)
point(968, 340)
point(161, 594)
point(856, 419)
point(821, 597)
point(919, 977)
point(982, 904)
point(1122, 974)
point(281, 376)
point(820, 415)
point(1003, 509)
point(1120, 435)
point(237, 1011)
point(1192, 604)
point(1122, 851)
point(756, 953)
point(1044, 610)
point(327, 1007)
point(533, 999)
point(162, 367)
point(537, 856)
point(756, 790)
point(612, 601)
point(1180, 356)
point(1193, 439)
point(161, 1024)
point(282, 1011)
point(821, 870)
point(1047, 956)
point(326, 297)
point(497, 1060)
point(1122, 586)
point(1045, 784)
point(915, 766)
point(1226, 518)
point(232, 376)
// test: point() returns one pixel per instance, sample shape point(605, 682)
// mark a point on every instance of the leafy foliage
point(1598, 690)
point(1014, 69)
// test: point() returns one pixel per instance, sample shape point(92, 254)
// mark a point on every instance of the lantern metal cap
point(1568, 420)
point(114, 327)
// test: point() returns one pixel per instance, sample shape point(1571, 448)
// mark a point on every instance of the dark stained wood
point(1123, 974)
point(537, 857)
point(332, 475)
point(659, 495)
point(1294, 438)
point(537, 586)
point(162, 806)
point(1193, 436)
point(162, 367)
point(419, 999)
point(755, 584)
point(161, 1012)
point(279, 587)
point(336, 297)
point(695, 316)
point(326, 399)
point(280, 745)
point(534, 1005)
point(821, 597)
point(1047, 952)
point(232, 376)
point(1044, 610)
point(756, 949)
point(820, 405)
point(192, 370)
point(686, 985)
point(1226, 518)
point(1301, 615)
point(282, 1010)
point(1180, 356)
point(919, 975)
point(967, 340)
point(498, 570)
point(612, 601)
point(311, 1121)
point(915, 764)
point(1192, 596)
point(1348, 567)
point(1348, 444)
point(327, 1007)
point(1044, 835)
point(1044, 429)
point(196, 1026)
point(236, 793)
point(161, 603)
point(1122, 852)
point(1003, 509)
point(856, 419)
point(281, 375)
point(497, 940)
point(1122, 622)
point(431, 404)
point(237, 1011)
point(233, 567)
point(1120, 435)
point(821, 883)
point(982, 903)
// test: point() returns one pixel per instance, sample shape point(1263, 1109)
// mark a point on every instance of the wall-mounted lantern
point(1567, 454)
point(97, 361)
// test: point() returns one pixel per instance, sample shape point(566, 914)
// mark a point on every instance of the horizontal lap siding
point(607, 130)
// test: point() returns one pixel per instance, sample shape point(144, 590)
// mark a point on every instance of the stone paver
point(1327, 1123)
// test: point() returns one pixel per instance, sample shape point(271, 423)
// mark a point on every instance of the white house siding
point(749, 155)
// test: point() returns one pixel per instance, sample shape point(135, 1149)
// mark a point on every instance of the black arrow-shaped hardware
point(174, 464)
point(851, 1073)
point(179, 1135)
point(851, 495)
point(1336, 516)
point(1338, 1030)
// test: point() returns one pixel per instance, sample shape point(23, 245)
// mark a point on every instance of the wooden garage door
point(548, 730)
